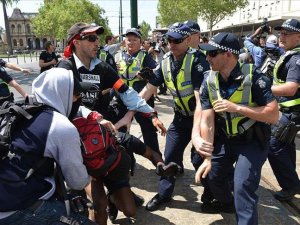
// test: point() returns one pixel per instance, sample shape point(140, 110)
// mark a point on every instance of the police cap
point(292, 25)
point(178, 31)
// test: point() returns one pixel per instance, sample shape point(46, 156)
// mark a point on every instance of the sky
point(147, 11)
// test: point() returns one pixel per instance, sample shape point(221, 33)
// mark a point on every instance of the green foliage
point(172, 11)
point(145, 28)
point(212, 11)
point(57, 16)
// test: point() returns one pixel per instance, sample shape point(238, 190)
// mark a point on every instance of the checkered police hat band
point(291, 27)
point(175, 30)
point(224, 48)
point(194, 30)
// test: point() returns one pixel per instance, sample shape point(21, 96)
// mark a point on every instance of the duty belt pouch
point(285, 132)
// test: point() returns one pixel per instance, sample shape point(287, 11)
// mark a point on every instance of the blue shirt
point(257, 52)
point(200, 67)
point(261, 88)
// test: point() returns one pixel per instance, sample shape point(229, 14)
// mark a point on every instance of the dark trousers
point(282, 158)
point(249, 159)
point(178, 137)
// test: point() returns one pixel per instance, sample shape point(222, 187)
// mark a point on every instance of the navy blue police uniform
point(247, 149)
point(179, 131)
point(149, 132)
point(282, 155)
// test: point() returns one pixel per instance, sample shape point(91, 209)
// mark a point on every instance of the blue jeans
point(49, 212)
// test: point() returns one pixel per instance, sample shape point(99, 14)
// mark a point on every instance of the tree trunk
point(7, 30)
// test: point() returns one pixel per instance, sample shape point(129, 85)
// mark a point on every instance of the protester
point(48, 137)
point(48, 58)
point(235, 122)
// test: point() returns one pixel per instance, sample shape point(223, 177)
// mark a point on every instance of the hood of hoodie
point(54, 88)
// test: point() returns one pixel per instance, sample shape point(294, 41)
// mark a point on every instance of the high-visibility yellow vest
point(235, 122)
point(102, 55)
point(181, 89)
point(128, 71)
point(277, 80)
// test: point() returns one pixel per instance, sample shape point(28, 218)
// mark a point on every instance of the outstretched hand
point(159, 126)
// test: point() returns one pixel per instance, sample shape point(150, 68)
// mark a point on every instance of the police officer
point(282, 156)
point(195, 33)
point(130, 62)
point(182, 69)
point(237, 102)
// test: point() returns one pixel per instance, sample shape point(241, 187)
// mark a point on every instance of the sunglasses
point(90, 38)
point(214, 53)
point(287, 33)
point(176, 41)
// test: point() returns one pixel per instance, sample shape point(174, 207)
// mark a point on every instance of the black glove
point(79, 202)
point(146, 73)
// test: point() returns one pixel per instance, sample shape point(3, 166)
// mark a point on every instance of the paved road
point(185, 207)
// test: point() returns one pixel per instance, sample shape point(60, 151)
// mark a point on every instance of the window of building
point(21, 42)
point(13, 29)
point(19, 28)
point(28, 30)
point(15, 42)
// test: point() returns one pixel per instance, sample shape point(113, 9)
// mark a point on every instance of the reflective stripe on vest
point(128, 73)
point(103, 55)
point(277, 81)
point(242, 95)
point(181, 89)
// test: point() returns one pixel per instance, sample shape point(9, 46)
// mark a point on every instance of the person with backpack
point(37, 144)
point(81, 58)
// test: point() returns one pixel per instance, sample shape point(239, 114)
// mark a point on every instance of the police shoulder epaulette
point(166, 55)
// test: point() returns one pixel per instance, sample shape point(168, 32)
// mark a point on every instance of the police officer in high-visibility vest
point(130, 63)
point(105, 56)
point(237, 103)
point(286, 81)
point(182, 70)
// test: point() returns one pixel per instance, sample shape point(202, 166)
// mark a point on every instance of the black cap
point(223, 41)
point(292, 25)
point(134, 31)
point(80, 87)
point(83, 28)
point(178, 31)
point(195, 28)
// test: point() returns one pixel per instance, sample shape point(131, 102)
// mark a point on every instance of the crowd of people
point(238, 104)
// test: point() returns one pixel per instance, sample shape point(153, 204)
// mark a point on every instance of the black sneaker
point(156, 202)
point(286, 195)
point(139, 200)
point(207, 196)
point(111, 210)
point(215, 207)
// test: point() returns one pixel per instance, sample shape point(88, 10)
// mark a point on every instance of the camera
point(153, 44)
point(264, 26)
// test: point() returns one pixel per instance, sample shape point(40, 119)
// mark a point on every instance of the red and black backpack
point(100, 150)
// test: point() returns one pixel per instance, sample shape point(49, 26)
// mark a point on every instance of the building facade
point(247, 20)
point(21, 30)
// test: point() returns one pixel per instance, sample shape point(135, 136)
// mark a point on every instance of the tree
point(172, 11)
point(145, 28)
point(8, 36)
point(212, 11)
point(57, 16)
